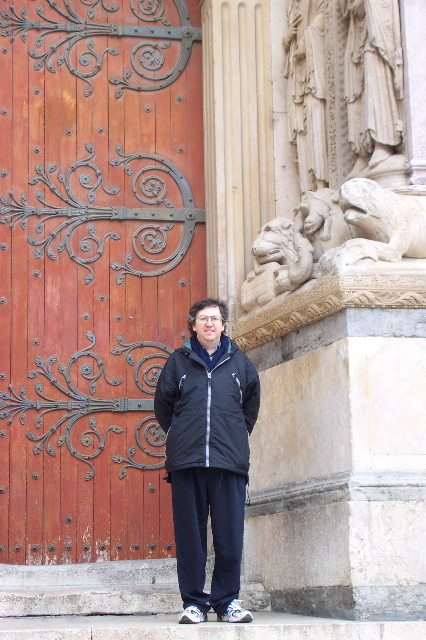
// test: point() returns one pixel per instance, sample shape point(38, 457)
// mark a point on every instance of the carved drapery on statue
point(305, 70)
point(344, 72)
point(373, 81)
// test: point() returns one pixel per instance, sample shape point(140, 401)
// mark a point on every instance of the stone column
point(413, 27)
point(238, 138)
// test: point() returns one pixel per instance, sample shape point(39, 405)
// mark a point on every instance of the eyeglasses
point(212, 319)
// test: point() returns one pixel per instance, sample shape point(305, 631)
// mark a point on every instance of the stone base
point(328, 556)
point(361, 603)
point(337, 519)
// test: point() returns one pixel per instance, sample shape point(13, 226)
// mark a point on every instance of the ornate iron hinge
point(147, 58)
point(150, 181)
point(149, 437)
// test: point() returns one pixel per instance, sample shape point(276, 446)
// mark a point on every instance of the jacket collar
point(186, 347)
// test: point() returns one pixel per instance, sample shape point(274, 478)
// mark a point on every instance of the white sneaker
point(235, 613)
point(192, 615)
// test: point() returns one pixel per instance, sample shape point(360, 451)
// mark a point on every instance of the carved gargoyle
point(282, 262)
point(391, 225)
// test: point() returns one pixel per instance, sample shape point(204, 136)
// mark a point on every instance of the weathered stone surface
point(127, 572)
point(332, 411)
point(337, 484)
point(108, 599)
point(389, 323)
point(269, 626)
point(51, 601)
point(361, 603)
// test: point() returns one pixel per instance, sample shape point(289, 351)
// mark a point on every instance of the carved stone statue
point(358, 226)
point(373, 81)
point(282, 262)
point(392, 225)
point(321, 221)
point(305, 70)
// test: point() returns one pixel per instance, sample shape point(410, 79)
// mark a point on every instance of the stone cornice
point(340, 487)
point(327, 296)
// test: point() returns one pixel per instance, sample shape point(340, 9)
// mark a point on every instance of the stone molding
point(327, 296)
point(339, 487)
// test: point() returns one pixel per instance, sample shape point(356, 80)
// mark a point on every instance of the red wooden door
point(102, 251)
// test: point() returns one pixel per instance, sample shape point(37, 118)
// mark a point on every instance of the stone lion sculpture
point(392, 225)
point(367, 224)
point(282, 262)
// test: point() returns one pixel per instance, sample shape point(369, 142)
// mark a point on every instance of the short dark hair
point(202, 304)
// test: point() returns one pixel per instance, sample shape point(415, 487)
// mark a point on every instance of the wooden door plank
point(194, 115)
point(6, 168)
point(36, 319)
point(167, 543)
point(114, 308)
point(69, 152)
point(18, 310)
point(136, 141)
point(152, 514)
point(103, 463)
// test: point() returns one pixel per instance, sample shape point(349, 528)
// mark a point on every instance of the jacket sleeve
point(251, 399)
point(165, 395)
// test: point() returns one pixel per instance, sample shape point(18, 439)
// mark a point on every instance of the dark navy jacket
point(208, 415)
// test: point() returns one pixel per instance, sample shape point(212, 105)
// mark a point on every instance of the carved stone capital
point(403, 287)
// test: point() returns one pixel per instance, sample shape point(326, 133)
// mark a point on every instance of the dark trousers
point(195, 493)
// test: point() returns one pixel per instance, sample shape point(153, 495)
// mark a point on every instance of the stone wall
point(337, 517)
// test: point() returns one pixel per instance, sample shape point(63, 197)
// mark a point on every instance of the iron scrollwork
point(146, 375)
point(149, 372)
point(78, 405)
point(149, 186)
point(148, 59)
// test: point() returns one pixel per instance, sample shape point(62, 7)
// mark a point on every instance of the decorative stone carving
point(321, 221)
point(387, 285)
point(305, 70)
point(373, 81)
point(350, 231)
point(282, 262)
point(392, 226)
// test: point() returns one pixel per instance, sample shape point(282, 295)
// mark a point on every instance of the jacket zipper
point(234, 375)
point(209, 399)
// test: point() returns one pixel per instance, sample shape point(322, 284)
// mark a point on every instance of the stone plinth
point(338, 483)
